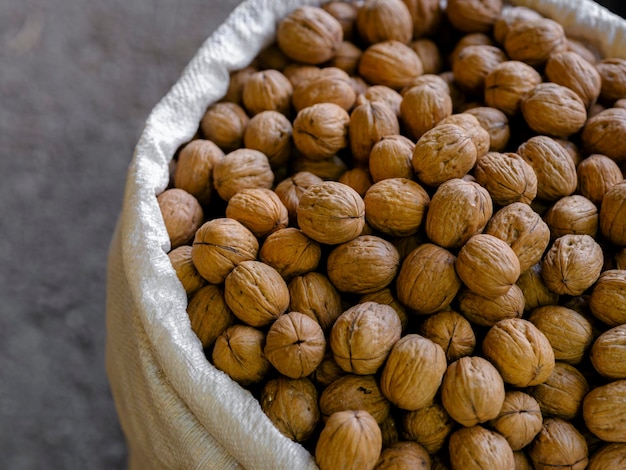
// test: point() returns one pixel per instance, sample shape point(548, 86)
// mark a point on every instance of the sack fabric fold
point(176, 410)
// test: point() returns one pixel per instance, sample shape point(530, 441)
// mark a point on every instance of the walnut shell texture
point(477, 448)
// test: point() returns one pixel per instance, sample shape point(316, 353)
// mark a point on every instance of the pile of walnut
point(403, 230)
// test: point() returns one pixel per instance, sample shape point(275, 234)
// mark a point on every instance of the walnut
point(519, 420)
point(363, 335)
point(533, 40)
point(256, 293)
point(612, 212)
point(430, 55)
point(350, 440)
point(328, 371)
point(345, 13)
point(429, 426)
point(583, 48)
point(358, 179)
point(612, 70)
point(470, 39)
point(561, 395)
point(270, 132)
point(295, 344)
point(390, 63)
point(474, 16)
point(607, 353)
point(369, 122)
point(413, 372)
point(381, 93)
point(321, 130)
point(507, 177)
point(572, 264)
point(272, 57)
point(442, 153)
point(536, 293)
point(472, 391)
point(354, 392)
point(267, 90)
point(522, 462)
point(194, 169)
point(508, 83)
point(436, 81)
point(602, 406)
point(331, 213)
point(596, 175)
point(220, 245)
point(384, 20)
point(427, 281)
point(238, 78)
point(486, 311)
point(495, 123)
point(291, 404)
point(559, 444)
point(476, 448)
point(240, 169)
point(290, 252)
point(298, 73)
point(452, 332)
point(603, 133)
point(391, 157)
point(469, 123)
point(209, 314)
point(238, 352)
point(427, 15)
point(290, 190)
point(472, 65)
point(225, 124)
point(309, 34)
point(571, 70)
point(608, 297)
point(520, 351)
point(347, 59)
point(389, 430)
point(509, 16)
point(555, 170)
point(404, 454)
point(570, 334)
point(186, 271)
point(396, 206)
point(328, 169)
point(182, 215)
point(611, 455)
point(385, 296)
point(314, 295)
point(260, 210)
point(572, 215)
point(524, 230)
point(330, 85)
point(422, 108)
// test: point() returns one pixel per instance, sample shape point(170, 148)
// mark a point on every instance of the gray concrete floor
point(77, 80)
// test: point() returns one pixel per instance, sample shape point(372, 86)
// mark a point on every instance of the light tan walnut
point(608, 353)
point(486, 311)
point(507, 177)
point(473, 64)
point(561, 395)
point(496, 123)
point(473, 15)
point(267, 90)
point(328, 169)
point(422, 108)
point(270, 132)
point(384, 20)
point(509, 16)
point(357, 178)
point(382, 93)
point(536, 293)
point(613, 214)
point(429, 426)
point(533, 40)
point(186, 271)
point(209, 314)
point(347, 58)
point(404, 454)
point(603, 133)
point(290, 252)
point(240, 169)
point(573, 214)
point(182, 215)
point(478, 448)
point(608, 297)
point(314, 295)
point(430, 55)
point(260, 210)
point(571, 70)
point(508, 83)
point(345, 13)
point(225, 124)
point(390, 63)
point(329, 85)
point(596, 175)
point(519, 420)
point(370, 122)
point(391, 157)
point(386, 296)
point(603, 410)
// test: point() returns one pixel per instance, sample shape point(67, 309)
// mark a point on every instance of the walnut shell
point(267, 90)
point(347, 59)
point(291, 404)
point(469, 123)
point(391, 157)
point(574, 215)
point(404, 455)
point(569, 332)
point(613, 214)
point(561, 395)
point(260, 210)
point(413, 372)
point(443, 153)
point(330, 85)
point(427, 281)
point(291, 188)
point(604, 409)
point(430, 55)
point(321, 130)
point(194, 169)
point(429, 426)
point(354, 392)
point(603, 134)
point(572, 264)
point(536, 293)
point(350, 440)
point(508, 83)
point(358, 179)
point(382, 93)
point(427, 15)
point(477, 448)
point(555, 170)
point(612, 70)
point(186, 271)
point(509, 16)
point(473, 16)
point(270, 132)
point(533, 40)
point(559, 444)
point(524, 231)
point(209, 314)
point(345, 13)
point(225, 124)
point(314, 295)
point(384, 20)
point(596, 175)
point(370, 122)
point(182, 215)
point(608, 353)
point(290, 252)
point(390, 63)
point(472, 65)
point(238, 78)
point(496, 123)
point(363, 335)
point(220, 245)
point(507, 177)
point(571, 70)
point(385, 296)
point(486, 311)
point(327, 372)
point(256, 293)
point(452, 332)
point(328, 169)
point(422, 108)
point(240, 169)
point(519, 351)
point(432, 80)
point(519, 420)
point(487, 265)
point(295, 345)
point(609, 456)
point(365, 264)
point(238, 352)
point(309, 35)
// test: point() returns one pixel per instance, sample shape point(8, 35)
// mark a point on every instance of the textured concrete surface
point(77, 80)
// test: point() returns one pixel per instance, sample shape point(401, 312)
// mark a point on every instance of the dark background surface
point(77, 81)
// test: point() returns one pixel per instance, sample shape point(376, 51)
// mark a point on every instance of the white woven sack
point(176, 410)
